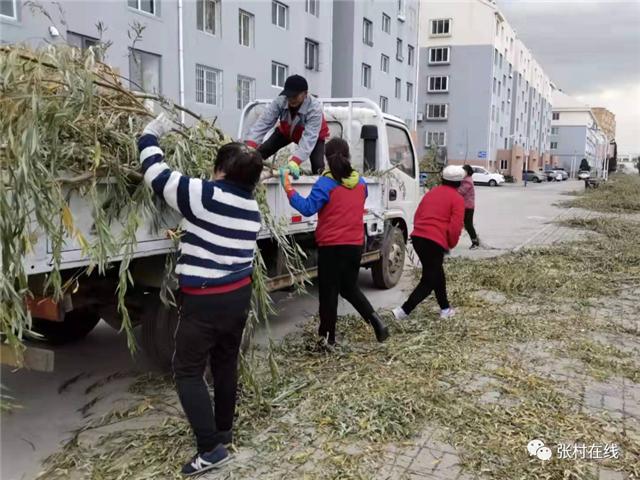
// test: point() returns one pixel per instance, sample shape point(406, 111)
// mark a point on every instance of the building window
point(437, 111)
point(148, 6)
point(494, 84)
point(441, 27)
point(80, 41)
point(555, 130)
point(246, 91)
point(401, 10)
point(517, 124)
point(501, 132)
point(8, 9)
point(279, 73)
point(386, 23)
point(439, 55)
point(367, 31)
point(399, 53)
point(311, 54)
point(437, 139)
point(398, 87)
point(556, 116)
point(504, 164)
point(280, 14)
point(554, 145)
point(508, 94)
point(409, 92)
point(499, 87)
point(438, 84)
point(384, 63)
point(208, 85)
point(208, 15)
point(144, 71)
point(246, 22)
point(502, 106)
point(313, 7)
point(500, 61)
point(495, 57)
point(366, 75)
point(410, 54)
point(384, 104)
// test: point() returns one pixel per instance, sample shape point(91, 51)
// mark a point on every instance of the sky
point(591, 50)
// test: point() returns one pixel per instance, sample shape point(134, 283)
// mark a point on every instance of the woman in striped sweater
point(221, 222)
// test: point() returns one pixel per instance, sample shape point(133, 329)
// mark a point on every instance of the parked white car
point(484, 177)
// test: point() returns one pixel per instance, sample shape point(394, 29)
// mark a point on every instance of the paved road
point(507, 217)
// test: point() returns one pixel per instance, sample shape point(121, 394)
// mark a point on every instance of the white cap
point(454, 173)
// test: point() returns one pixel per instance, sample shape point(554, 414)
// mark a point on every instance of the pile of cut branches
point(68, 125)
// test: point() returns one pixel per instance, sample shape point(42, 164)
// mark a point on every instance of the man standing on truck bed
point(221, 224)
point(300, 119)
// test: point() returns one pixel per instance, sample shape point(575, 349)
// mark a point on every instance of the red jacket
point(440, 216)
point(340, 209)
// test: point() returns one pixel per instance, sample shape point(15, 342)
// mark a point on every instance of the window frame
point(138, 7)
point(14, 7)
point(551, 145)
point(252, 90)
point(398, 88)
point(252, 22)
point(216, 17)
point(431, 134)
point(434, 78)
point(132, 85)
point(217, 97)
point(367, 31)
point(440, 111)
point(366, 80)
point(279, 5)
point(443, 49)
point(555, 116)
point(316, 8)
point(286, 73)
point(434, 22)
point(384, 103)
point(385, 60)
point(411, 54)
point(308, 42)
point(399, 50)
point(386, 20)
point(410, 93)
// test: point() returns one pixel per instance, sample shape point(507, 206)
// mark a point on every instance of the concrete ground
point(507, 218)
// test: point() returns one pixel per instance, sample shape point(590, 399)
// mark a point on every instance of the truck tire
point(76, 325)
point(386, 272)
point(159, 323)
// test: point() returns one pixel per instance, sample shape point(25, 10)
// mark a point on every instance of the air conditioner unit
point(420, 117)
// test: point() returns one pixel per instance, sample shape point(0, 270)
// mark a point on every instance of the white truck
point(381, 147)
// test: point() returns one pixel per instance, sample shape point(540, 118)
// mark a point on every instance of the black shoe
point(225, 437)
point(474, 244)
point(204, 462)
point(382, 332)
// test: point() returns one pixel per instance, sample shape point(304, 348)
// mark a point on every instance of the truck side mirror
point(369, 134)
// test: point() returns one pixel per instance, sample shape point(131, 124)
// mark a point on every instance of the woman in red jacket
point(436, 229)
point(338, 197)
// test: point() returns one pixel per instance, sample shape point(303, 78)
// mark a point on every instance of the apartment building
point(482, 96)
point(575, 134)
point(212, 56)
point(375, 53)
point(606, 121)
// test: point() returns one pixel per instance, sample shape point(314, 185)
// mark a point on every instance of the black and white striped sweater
point(221, 221)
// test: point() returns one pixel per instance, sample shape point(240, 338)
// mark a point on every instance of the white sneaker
point(399, 313)
point(447, 313)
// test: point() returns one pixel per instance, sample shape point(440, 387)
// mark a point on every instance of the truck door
point(404, 185)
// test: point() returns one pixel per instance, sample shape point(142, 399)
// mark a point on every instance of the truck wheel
point(387, 271)
point(76, 325)
point(159, 323)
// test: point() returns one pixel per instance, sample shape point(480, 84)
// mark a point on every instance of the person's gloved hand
point(294, 167)
point(285, 181)
point(159, 126)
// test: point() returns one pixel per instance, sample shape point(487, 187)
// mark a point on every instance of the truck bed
point(153, 240)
